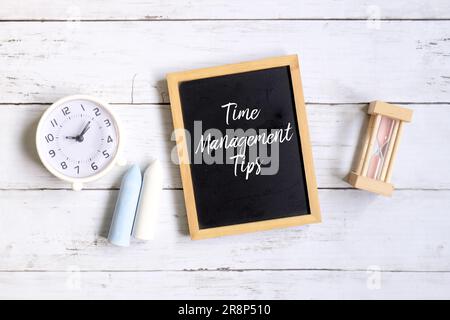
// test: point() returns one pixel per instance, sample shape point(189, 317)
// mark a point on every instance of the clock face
point(78, 138)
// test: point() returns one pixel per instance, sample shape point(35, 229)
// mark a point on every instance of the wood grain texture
point(123, 62)
point(335, 133)
point(48, 236)
point(223, 9)
point(252, 285)
point(53, 230)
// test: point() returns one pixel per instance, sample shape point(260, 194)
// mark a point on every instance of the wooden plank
point(221, 9)
point(224, 285)
point(335, 132)
point(147, 136)
point(341, 61)
point(52, 230)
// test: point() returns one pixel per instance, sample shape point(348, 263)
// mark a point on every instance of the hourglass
point(379, 149)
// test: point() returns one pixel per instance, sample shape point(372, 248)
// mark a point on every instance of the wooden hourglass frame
point(379, 148)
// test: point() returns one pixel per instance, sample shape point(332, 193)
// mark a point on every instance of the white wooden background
point(52, 241)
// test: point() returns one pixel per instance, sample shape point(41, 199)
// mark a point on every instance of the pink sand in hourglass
point(380, 148)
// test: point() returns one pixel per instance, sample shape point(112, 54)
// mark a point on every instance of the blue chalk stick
point(122, 223)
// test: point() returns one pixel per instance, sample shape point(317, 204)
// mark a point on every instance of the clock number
point(64, 165)
point(82, 107)
point(54, 123)
point(109, 139)
point(65, 111)
point(78, 169)
point(106, 154)
point(94, 166)
point(97, 112)
point(107, 122)
point(52, 153)
point(49, 138)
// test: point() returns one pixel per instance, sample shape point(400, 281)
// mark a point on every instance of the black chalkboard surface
point(243, 134)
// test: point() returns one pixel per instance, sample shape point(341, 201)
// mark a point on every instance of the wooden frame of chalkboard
point(311, 213)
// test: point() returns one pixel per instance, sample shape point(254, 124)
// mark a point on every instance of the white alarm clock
point(79, 139)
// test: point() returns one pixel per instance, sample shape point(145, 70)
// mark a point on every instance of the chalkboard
point(244, 148)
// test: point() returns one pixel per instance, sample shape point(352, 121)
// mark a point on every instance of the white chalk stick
point(148, 207)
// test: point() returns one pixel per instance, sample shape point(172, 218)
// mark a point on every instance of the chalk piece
point(148, 207)
point(124, 213)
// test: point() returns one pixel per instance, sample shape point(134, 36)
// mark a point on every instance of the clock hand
point(86, 128)
point(73, 138)
point(80, 137)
